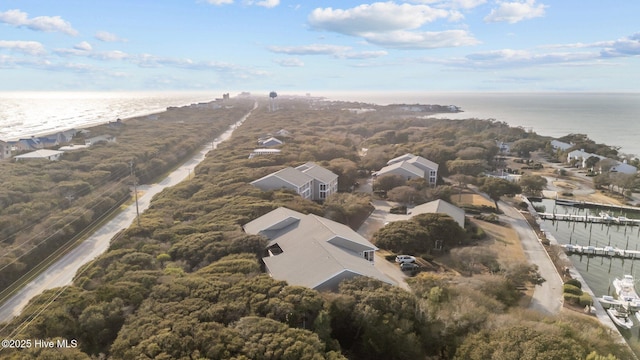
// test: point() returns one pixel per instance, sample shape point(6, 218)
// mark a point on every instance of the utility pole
point(135, 191)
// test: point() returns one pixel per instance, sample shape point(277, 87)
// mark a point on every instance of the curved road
point(63, 271)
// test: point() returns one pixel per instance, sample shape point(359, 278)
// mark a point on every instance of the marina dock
point(603, 218)
point(609, 251)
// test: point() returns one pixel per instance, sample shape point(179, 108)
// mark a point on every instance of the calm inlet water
point(597, 271)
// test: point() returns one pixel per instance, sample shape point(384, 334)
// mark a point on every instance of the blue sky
point(306, 46)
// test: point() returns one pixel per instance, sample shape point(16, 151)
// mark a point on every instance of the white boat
point(626, 291)
point(608, 301)
point(620, 317)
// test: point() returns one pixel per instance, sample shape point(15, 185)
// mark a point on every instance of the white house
point(51, 155)
point(260, 152)
point(618, 166)
point(310, 180)
point(288, 178)
point(410, 166)
point(403, 169)
point(5, 150)
point(325, 182)
point(270, 141)
point(311, 251)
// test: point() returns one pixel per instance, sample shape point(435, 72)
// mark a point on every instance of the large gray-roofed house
point(406, 170)
point(311, 251)
point(310, 180)
point(429, 167)
point(325, 182)
point(288, 178)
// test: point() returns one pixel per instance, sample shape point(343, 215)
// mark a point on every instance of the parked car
point(409, 267)
point(398, 210)
point(401, 259)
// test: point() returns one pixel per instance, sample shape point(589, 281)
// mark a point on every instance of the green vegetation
point(187, 282)
point(45, 205)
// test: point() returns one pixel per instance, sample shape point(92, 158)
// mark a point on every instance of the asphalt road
point(547, 298)
point(64, 270)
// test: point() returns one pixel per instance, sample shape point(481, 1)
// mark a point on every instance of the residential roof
point(442, 207)
point(314, 249)
point(400, 158)
point(557, 144)
point(39, 154)
point(270, 140)
point(289, 175)
point(401, 165)
point(317, 172)
point(424, 162)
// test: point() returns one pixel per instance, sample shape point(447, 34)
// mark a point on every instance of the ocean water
point(608, 118)
point(24, 114)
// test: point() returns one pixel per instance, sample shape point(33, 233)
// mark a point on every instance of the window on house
point(368, 255)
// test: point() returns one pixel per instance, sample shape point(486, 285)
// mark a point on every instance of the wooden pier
point(609, 251)
point(600, 219)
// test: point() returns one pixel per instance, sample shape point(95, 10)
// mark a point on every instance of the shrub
point(574, 282)
point(585, 299)
point(572, 289)
point(571, 298)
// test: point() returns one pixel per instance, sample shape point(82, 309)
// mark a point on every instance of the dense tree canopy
point(420, 235)
point(188, 283)
point(496, 188)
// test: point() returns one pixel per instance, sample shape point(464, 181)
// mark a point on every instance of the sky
point(305, 46)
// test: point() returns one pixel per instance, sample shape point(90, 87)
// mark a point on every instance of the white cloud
point(513, 12)
point(453, 4)
point(26, 47)
point(364, 55)
point(108, 37)
point(264, 3)
point(220, 2)
point(340, 52)
point(19, 18)
point(290, 62)
point(393, 25)
point(628, 46)
point(83, 46)
point(422, 40)
point(376, 17)
point(313, 49)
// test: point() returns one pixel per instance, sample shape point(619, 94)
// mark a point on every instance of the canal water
point(598, 271)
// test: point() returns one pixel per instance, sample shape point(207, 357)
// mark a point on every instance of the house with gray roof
point(560, 145)
point(310, 180)
point(441, 207)
point(405, 165)
point(325, 182)
point(270, 141)
point(403, 169)
point(311, 251)
point(617, 166)
point(288, 178)
point(46, 154)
